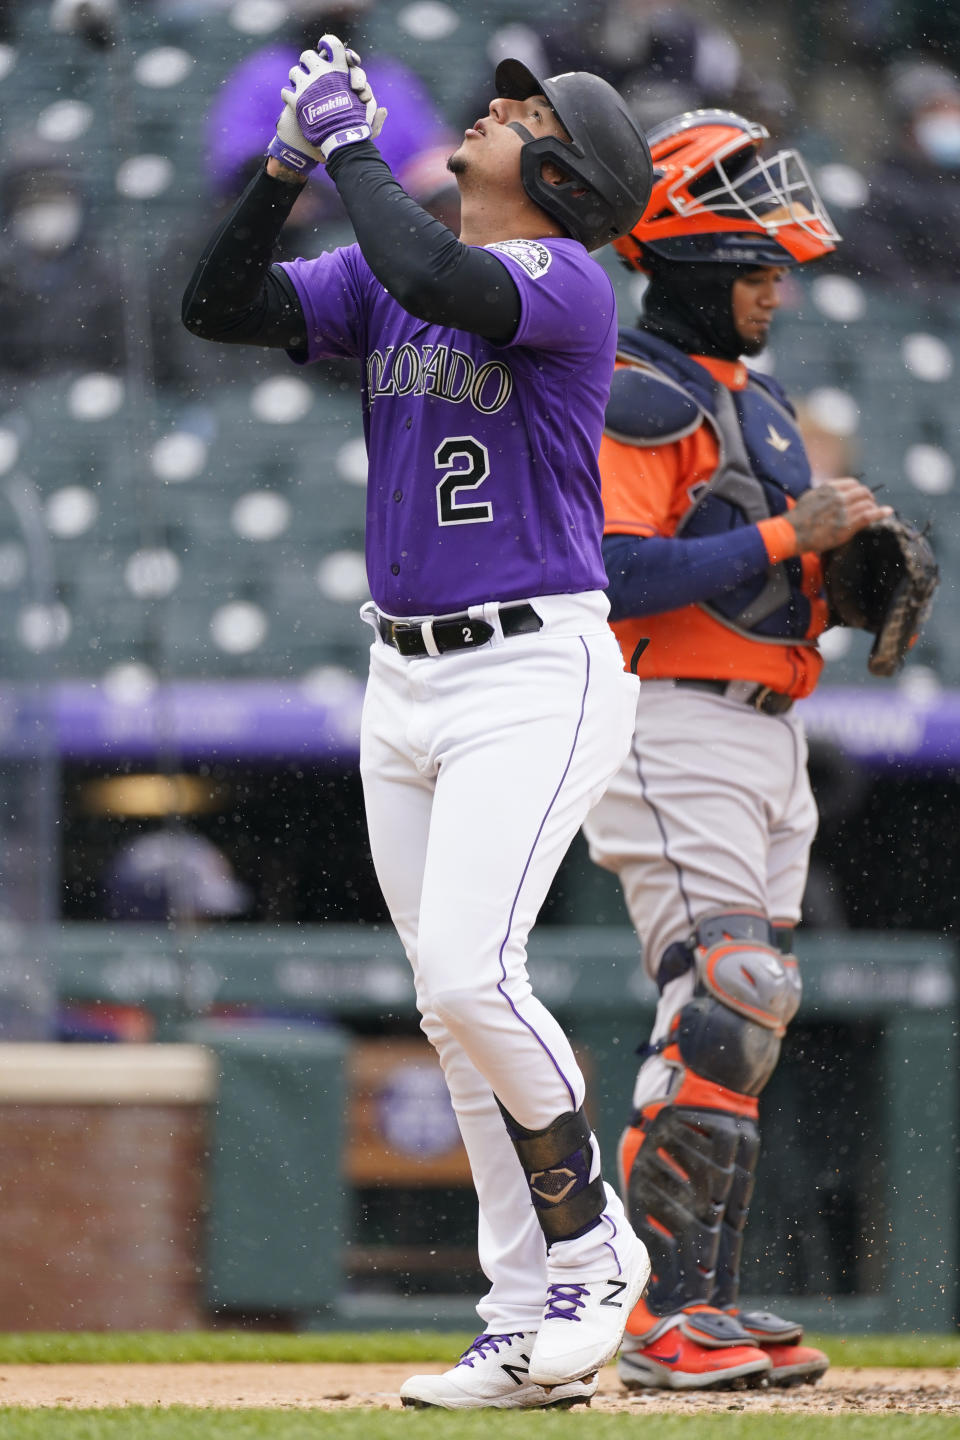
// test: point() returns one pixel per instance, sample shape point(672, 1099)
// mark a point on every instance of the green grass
point(402, 1347)
point(222, 1346)
point(184, 1424)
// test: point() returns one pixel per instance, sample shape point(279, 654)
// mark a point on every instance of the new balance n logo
point(515, 1371)
point(617, 1287)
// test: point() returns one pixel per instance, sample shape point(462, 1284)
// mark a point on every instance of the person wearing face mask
point(59, 307)
point(662, 57)
point(245, 106)
point(909, 228)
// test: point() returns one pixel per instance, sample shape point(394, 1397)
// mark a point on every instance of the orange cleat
point(699, 1348)
point(791, 1363)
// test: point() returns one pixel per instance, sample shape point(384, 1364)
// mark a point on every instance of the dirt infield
point(358, 1387)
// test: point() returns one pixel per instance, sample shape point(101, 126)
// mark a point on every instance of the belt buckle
point(433, 636)
point(398, 631)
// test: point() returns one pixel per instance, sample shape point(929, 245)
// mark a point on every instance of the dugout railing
point(855, 1222)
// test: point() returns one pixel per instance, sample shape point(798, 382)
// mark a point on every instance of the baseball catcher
point(723, 555)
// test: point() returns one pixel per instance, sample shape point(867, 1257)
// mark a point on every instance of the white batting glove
point(376, 114)
point(291, 147)
point(331, 98)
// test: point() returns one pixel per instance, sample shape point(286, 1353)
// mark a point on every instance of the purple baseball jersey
point(483, 481)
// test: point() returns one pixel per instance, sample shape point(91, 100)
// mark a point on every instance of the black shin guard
point(556, 1162)
point(726, 1291)
point(691, 1174)
point(677, 1192)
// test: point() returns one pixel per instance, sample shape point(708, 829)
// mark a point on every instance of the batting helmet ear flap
point(606, 157)
point(582, 212)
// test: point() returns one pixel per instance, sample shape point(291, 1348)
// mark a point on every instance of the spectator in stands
point(172, 875)
point(766, 97)
point(663, 58)
point(245, 109)
point(868, 33)
point(180, 363)
point(909, 228)
point(59, 306)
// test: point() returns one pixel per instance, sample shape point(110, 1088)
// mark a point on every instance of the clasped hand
point(329, 104)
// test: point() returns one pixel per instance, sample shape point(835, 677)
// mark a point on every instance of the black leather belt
point(455, 632)
point(758, 697)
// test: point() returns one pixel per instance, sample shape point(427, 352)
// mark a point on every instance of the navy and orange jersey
point(668, 488)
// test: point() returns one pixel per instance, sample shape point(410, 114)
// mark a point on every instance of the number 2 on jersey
point(467, 465)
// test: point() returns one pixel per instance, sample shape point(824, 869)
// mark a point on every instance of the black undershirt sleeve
point(416, 258)
point(236, 295)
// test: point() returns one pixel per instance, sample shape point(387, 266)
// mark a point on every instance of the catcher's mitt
point(882, 580)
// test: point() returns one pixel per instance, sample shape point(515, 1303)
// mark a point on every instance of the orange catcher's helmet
point(716, 198)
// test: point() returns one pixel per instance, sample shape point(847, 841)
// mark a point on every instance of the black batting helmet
point(607, 158)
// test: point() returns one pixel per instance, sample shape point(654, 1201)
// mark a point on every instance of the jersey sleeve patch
point(529, 254)
point(644, 409)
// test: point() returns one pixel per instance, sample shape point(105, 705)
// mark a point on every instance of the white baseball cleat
point(493, 1373)
point(583, 1324)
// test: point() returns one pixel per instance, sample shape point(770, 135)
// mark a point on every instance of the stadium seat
point(167, 514)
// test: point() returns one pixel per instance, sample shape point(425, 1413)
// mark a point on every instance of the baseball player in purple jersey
point(497, 708)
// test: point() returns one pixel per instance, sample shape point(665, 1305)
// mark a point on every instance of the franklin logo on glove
point(323, 107)
point(329, 105)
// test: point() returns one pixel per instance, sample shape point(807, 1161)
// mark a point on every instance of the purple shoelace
point(563, 1302)
point(480, 1347)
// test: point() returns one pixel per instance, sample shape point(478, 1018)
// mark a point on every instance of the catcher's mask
point(606, 160)
point(715, 198)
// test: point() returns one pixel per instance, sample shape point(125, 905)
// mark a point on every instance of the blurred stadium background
point(214, 1103)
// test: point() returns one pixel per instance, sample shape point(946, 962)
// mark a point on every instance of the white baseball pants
point(711, 810)
point(478, 768)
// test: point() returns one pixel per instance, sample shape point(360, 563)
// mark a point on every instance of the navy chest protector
point(661, 395)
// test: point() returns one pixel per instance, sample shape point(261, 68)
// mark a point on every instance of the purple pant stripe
point(503, 969)
point(610, 1246)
